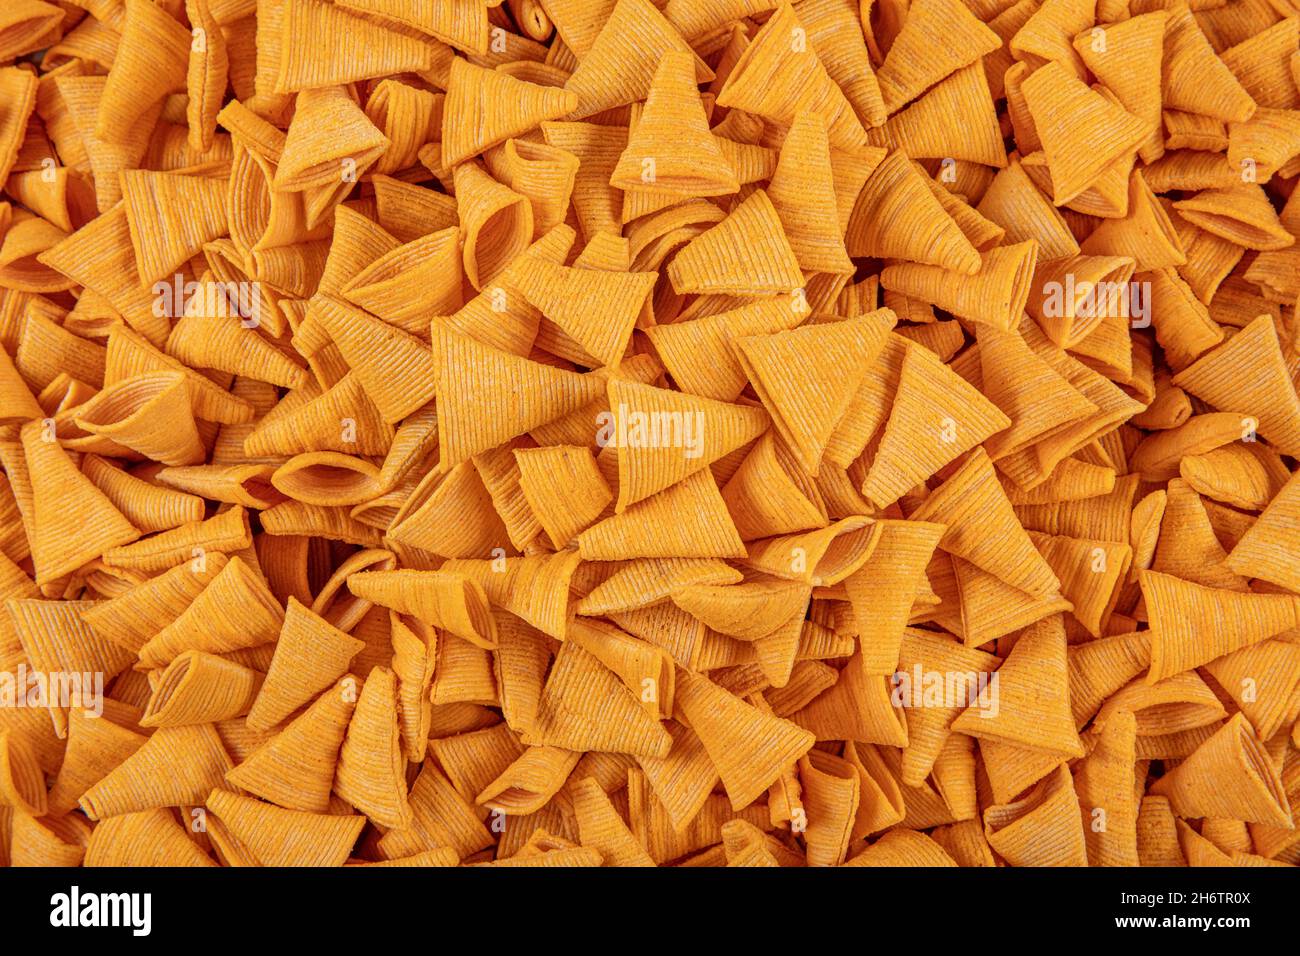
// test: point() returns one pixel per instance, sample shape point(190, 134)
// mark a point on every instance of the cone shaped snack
point(1129, 64)
point(1192, 625)
point(130, 354)
point(501, 317)
point(781, 367)
point(149, 414)
point(935, 677)
point(832, 792)
point(995, 294)
point(729, 258)
point(193, 213)
point(769, 494)
point(1042, 829)
point(218, 339)
point(646, 670)
point(699, 356)
point(132, 618)
point(95, 747)
point(663, 437)
point(564, 488)
point(57, 643)
point(28, 27)
point(357, 48)
point(500, 474)
point(747, 611)
point(912, 65)
point(972, 497)
point(388, 286)
point(529, 782)
point(148, 506)
point(393, 366)
point(534, 587)
point(1241, 215)
point(1196, 80)
point(370, 773)
point(442, 817)
point(597, 308)
point(18, 401)
point(834, 29)
point(753, 84)
point(730, 730)
point(619, 66)
point(1263, 550)
point(647, 581)
point(1100, 668)
point(319, 424)
point(484, 107)
point(235, 610)
point(824, 557)
point(931, 400)
point(447, 600)
point(545, 174)
point(601, 827)
point(1104, 781)
point(167, 771)
point(1256, 795)
point(226, 532)
point(925, 128)
point(1032, 680)
point(328, 131)
point(310, 655)
point(141, 79)
point(597, 205)
point(415, 654)
point(671, 147)
point(1220, 378)
point(1045, 35)
point(1090, 573)
point(1188, 547)
point(498, 223)
point(1069, 322)
point(199, 688)
point(278, 837)
point(295, 768)
point(585, 706)
point(858, 707)
point(1267, 711)
point(145, 838)
point(688, 519)
point(896, 193)
point(807, 205)
point(883, 590)
point(531, 394)
point(62, 539)
point(1019, 381)
point(1052, 93)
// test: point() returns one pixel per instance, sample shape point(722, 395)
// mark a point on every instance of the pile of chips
point(616, 432)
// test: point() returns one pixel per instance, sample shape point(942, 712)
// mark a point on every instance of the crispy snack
point(639, 433)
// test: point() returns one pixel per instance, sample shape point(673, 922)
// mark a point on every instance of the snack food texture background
point(649, 433)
